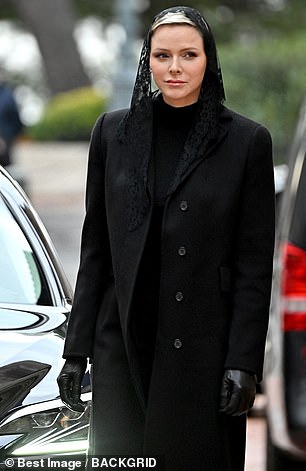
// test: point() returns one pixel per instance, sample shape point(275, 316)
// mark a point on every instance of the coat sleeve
point(95, 259)
point(253, 258)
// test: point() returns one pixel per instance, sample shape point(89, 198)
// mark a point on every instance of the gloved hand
point(237, 392)
point(69, 382)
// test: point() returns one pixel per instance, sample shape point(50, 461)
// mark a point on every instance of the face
point(178, 63)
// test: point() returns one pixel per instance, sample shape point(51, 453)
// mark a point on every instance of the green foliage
point(265, 80)
point(69, 116)
point(231, 18)
point(94, 7)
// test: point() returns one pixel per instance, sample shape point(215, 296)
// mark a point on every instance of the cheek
point(157, 71)
point(198, 72)
point(204, 65)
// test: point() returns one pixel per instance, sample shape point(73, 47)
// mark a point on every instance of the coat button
point(177, 343)
point(182, 251)
point(183, 205)
point(179, 296)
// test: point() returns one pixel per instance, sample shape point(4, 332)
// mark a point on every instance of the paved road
point(55, 175)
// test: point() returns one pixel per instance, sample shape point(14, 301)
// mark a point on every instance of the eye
point(189, 54)
point(161, 55)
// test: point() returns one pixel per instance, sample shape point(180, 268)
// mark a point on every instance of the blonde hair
point(177, 17)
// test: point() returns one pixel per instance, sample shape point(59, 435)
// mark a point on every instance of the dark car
point(35, 301)
point(285, 365)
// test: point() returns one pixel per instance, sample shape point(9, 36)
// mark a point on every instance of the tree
point(52, 23)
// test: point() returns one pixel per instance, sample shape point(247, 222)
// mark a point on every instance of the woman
point(173, 289)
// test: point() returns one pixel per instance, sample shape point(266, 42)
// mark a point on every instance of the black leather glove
point(237, 392)
point(69, 382)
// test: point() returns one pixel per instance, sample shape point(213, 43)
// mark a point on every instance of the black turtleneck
point(171, 126)
point(170, 129)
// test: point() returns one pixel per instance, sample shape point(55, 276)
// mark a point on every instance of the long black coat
point(214, 297)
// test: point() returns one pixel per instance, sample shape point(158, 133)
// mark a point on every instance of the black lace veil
point(135, 129)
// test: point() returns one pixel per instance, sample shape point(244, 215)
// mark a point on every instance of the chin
point(177, 98)
point(178, 101)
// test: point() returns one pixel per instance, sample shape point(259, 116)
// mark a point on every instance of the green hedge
point(69, 116)
point(266, 81)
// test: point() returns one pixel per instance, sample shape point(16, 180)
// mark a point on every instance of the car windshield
point(20, 274)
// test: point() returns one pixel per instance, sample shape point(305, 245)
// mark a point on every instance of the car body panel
point(285, 360)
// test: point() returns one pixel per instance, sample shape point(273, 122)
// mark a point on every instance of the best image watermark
point(42, 463)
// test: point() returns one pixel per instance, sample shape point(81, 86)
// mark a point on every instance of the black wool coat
point(214, 297)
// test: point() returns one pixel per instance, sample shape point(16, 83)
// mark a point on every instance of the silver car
point(35, 301)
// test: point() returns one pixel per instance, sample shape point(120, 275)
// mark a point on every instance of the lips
point(174, 82)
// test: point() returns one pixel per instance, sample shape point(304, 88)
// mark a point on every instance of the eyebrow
point(191, 48)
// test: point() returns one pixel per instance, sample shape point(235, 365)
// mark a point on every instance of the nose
point(175, 66)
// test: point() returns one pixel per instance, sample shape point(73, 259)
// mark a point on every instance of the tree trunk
point(52, 22)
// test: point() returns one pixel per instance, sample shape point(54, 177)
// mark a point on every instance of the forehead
point(176, 33)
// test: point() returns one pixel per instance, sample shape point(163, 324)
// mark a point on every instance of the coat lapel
point(225, 120)
point(140, 180)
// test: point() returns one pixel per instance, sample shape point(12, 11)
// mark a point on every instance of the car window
point(298, 225)
point(21, 279)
